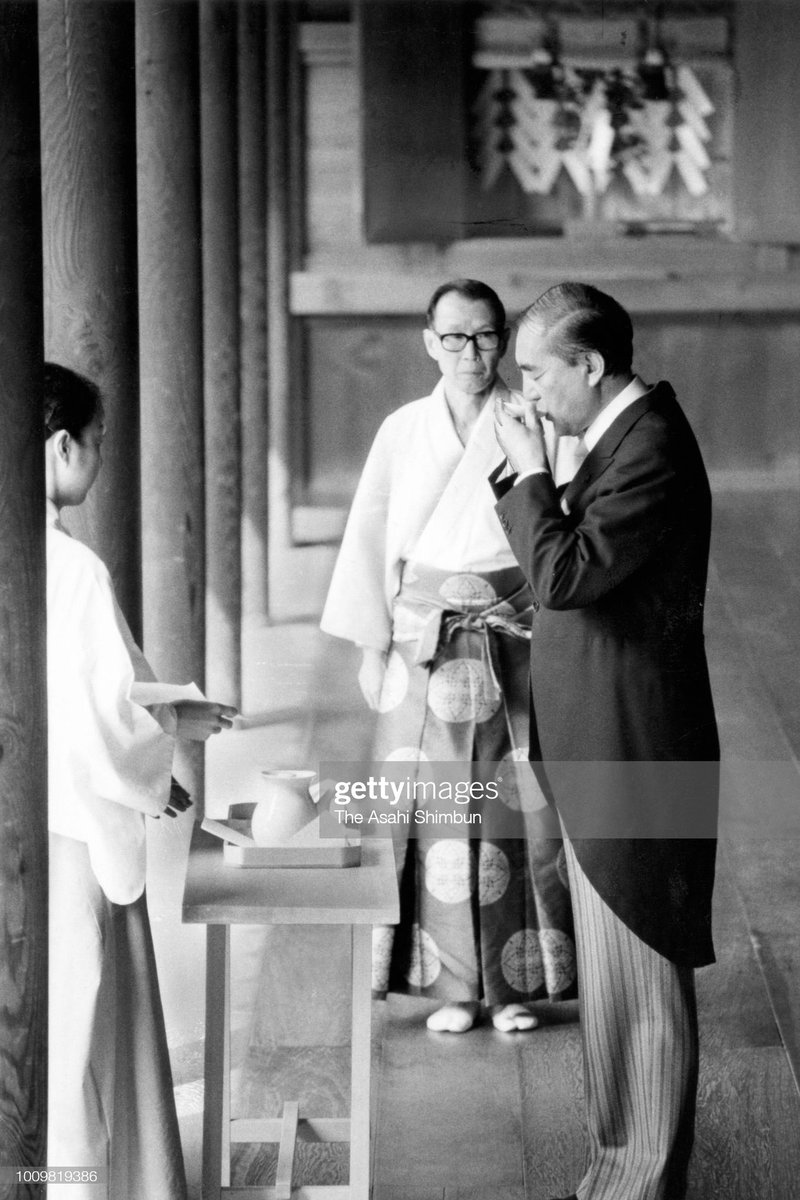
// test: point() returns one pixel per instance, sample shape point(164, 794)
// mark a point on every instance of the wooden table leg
point(217, 1101)
point(360, 1061)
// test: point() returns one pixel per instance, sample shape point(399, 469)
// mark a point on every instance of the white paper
point(149, 694)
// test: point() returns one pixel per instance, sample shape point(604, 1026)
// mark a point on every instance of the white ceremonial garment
point(109, 759)
point(111, 1104)
point(422, 496)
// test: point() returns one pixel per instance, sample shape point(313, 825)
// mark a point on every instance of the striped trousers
point(640, 1054)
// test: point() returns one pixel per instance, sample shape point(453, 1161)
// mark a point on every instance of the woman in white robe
point(111, 1104)
point(427, 585)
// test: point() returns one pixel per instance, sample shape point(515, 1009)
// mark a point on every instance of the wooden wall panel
point(412, 61)
point(332, 165)
point(357, 373)
point(766, 151)
point(733, 373)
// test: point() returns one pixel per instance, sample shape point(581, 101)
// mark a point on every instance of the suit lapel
point(600, 458)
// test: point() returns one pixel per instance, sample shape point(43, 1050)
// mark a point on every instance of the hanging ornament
point(585, 170)
point(648, 172)
point(691, 132)
point(534, 158)
point(493, 118)
point(596, 124)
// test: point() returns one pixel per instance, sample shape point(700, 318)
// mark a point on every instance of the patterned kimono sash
point(459, 663)
point(482, 917)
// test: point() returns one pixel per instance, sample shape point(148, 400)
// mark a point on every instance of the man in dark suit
point(623, 732)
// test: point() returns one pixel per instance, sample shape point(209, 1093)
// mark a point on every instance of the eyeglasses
point(488, 339)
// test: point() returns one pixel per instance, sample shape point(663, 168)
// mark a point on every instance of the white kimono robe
point(111, 1103)
point(109, 759)
point(422, 496)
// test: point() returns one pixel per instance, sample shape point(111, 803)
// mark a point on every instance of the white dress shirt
point(608, 415)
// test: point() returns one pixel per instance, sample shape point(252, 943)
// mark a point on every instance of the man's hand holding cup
point(519, 431)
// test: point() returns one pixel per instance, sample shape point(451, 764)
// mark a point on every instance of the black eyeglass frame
point(470, 337)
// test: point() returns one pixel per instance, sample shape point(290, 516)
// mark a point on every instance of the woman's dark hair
point(71, 402)
point(577, 317)
point(470, 289)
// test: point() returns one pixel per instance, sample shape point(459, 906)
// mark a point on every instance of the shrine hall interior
point(231, 215)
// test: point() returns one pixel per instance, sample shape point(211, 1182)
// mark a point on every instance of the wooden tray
point(330, 852)
point(305, 849)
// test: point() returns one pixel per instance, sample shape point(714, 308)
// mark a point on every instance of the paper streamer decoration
point(516, 129)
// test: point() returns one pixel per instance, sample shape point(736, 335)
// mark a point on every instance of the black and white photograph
point(399, 600)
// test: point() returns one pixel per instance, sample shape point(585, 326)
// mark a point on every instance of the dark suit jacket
point(622, 718)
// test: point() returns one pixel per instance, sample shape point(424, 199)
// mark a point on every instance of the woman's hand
point(370, 676)
point(198, 719)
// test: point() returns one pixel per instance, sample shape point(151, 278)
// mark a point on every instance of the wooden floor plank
point(502, 1191)
point(731, 995)
point(768, 888)
point(321, 1163)
point(391, 1191)
point(757, 556)
point(450, 1105)
point(747, 1145)
point(553, 1111)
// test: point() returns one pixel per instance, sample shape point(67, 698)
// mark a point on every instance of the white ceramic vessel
point(285, 807)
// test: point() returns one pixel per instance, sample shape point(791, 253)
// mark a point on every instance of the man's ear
point(431, 343)
point(506, 334)
point(595, 366)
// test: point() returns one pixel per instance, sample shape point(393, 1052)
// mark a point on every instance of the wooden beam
point(335, 294)
point(23, 713)
point(89, 215)
point(170, 317)
point(253, 296)
point(220, 232)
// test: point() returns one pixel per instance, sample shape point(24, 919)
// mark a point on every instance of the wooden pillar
point(278, 224)
point(88, 100)
point(23, 745)
point(171, 348)
point(220, 209)
point(253, 268)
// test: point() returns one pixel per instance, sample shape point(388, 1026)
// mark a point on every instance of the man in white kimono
point(426, 585)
